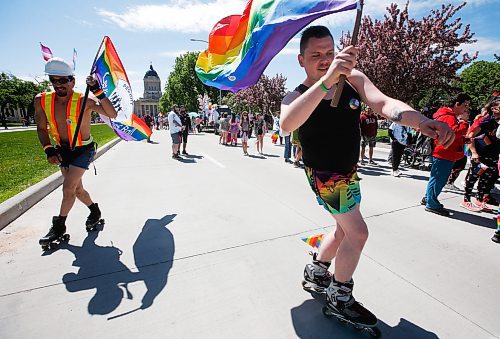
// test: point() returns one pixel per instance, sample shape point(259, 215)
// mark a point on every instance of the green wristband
point(323, 87)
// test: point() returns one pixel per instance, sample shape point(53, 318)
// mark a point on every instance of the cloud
point(172, 54)
point(178, 16)
point(485, 47)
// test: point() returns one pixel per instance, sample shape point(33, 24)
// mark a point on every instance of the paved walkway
point(211, 247)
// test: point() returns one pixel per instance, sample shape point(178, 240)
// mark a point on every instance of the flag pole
point(354, 40)
point(84, 101)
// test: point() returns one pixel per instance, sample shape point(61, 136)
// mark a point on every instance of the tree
point(183, 86)
point(404, 57)
point(265, 96)
point(17, 93)
point(479, 80)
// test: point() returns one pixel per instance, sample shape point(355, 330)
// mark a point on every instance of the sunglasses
point(61, 81)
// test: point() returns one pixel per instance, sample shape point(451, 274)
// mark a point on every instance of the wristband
point(50, 151)
point(323, 87)
point(99, 94)
point(47, 146)
point(95, 87)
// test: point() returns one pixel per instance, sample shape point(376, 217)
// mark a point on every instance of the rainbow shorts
point(337, 193)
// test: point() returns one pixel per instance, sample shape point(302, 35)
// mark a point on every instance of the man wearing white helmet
point(59, 110)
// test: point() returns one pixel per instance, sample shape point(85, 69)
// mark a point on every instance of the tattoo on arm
point(396, 115)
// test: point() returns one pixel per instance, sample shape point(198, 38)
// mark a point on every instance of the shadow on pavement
point(187, 160)
point(100, 267)
point(256, 156)
point(193, 156)
point(309, 322)
point(483, 219)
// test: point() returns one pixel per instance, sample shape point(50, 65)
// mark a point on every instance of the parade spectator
point(484, 158)
point(276, 126)
point(175, 131)
point(399, 139)
point(297, 149)
point(234, 128)
point(224, 128)
point(369, 126)
point(186, 126)
point(288, 145)
point(455, 115)
point(245, 130)
point(149, 122)
point(260, 131)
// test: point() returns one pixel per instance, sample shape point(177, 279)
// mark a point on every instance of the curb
point(14, 207)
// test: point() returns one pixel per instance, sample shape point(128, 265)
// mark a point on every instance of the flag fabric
point(241, 46)
point(74, 59)
point(46, 52)
point(113, 79)
point(314, 240)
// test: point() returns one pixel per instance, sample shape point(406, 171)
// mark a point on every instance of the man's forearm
point(403, 114)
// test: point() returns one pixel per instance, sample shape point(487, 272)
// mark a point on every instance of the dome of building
point(151, 72)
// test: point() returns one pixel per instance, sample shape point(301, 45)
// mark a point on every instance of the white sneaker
point(395, 173)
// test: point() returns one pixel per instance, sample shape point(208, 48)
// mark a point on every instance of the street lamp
point(220, 92)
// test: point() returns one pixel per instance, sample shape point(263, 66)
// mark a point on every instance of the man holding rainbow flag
point(61, 110)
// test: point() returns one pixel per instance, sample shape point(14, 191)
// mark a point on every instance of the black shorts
point(185, 135)
point(80, 157)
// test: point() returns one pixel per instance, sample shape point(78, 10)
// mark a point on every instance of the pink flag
point(46, 52)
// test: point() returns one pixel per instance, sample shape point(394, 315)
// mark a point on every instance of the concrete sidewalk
point(210, 247)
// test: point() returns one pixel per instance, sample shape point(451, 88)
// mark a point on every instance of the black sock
point(63, 219)
point(92, 206)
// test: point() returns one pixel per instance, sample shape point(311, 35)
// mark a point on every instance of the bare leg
point(362, 155)
point(350, 248)
point(72, 178)
point(370, 153)
point(330, 244)
point(83, 195)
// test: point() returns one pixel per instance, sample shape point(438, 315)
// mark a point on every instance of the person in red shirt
point(369, 127)
point(456, 115)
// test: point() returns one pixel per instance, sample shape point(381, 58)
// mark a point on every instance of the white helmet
point(59, 67)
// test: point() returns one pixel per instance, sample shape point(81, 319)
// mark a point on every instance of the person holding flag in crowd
point(60, 110)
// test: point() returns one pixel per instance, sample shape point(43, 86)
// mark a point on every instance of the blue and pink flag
point(241, 46)
point(111, 75)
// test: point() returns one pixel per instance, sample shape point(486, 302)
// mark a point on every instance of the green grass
point(23, 162)
point(382, 135)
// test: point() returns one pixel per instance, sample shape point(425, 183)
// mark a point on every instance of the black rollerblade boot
point(341, 304)
point(56, 233)
point(316, 276)
point(94, 218)
point(496, 236)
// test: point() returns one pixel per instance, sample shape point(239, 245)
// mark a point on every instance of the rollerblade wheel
point(65, 238)
point(45, 247)
point(374, 332)
point(101, 221)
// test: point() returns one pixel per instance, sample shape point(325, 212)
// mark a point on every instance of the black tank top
point(330, 137)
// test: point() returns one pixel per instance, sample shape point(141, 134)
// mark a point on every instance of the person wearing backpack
point(456, 115)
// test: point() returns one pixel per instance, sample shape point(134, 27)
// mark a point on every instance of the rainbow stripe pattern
point(113, 79)
point(241, 46)
point(314, 240)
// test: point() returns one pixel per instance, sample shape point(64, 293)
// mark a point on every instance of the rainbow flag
point(314, 240)
point(111, 75)
point(241, 46)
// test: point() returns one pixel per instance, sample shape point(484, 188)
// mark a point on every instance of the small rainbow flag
point(111, 75)
point(314, 240)
point(498, 218)
point(241, 46)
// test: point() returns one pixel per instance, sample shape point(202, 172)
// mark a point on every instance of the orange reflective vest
point(72, 114)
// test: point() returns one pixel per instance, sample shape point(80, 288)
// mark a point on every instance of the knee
point(359, 238)
point(69, 189)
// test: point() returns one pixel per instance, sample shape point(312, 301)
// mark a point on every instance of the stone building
point(150, 102)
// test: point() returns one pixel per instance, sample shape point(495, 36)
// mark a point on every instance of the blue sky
point(157, 31)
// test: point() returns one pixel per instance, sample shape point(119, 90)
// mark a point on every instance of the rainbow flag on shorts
point(241, 46)
point(111, 74)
